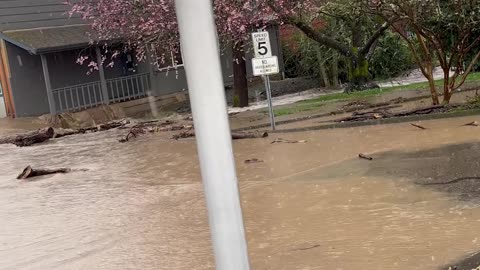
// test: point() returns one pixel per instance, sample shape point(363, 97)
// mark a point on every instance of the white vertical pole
point(153, 82)
point(103, 81)
point(200, 50)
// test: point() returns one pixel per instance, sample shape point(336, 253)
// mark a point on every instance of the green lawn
point(474, 77)
point(312, 104)
point(296, 108)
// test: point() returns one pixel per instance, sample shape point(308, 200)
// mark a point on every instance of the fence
point(128, 87)
point(83, 96)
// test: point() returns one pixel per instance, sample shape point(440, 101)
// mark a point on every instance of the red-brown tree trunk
point(433, 90)
point(240, 84)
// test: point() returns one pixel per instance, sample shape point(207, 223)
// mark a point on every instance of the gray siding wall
point(117, 71)
point(25, 14)
point(168, 82)
point(175, 80)
point(28, 86)
point(64, 71)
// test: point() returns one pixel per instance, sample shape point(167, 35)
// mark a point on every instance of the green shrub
point(391, 58)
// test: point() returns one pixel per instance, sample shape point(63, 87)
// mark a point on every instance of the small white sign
point(261, 44)
point(265, 66)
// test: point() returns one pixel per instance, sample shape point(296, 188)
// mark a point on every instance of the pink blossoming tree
point(150, 28)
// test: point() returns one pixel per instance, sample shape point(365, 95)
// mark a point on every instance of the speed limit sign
point(261, 44)
point(264, 65)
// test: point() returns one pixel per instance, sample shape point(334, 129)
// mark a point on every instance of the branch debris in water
point(418, 126)
point(29, 172)
point(280, 140)
point(363, 156)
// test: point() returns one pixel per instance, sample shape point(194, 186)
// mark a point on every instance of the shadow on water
point(451, 168)
point(469, 263)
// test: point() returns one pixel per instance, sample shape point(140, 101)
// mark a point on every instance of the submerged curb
point(383, 121)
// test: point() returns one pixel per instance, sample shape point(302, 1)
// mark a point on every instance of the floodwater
point(315, 205)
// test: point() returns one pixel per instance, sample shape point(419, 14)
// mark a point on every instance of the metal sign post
point(199, 43)
point(264, 64)
point(266, 78)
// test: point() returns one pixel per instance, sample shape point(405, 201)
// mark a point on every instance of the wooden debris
point(307, 248)
point(418, 126)
point(235, 135)
point(356, 104)
point(60, 132)
point(134, 131)
point(425, 110)
point(29, 172)
point(473, 124)
point(174, 127)
point(153, 127)
point(47, 133)
point(363, 156)
point(253, 160)
point(280, 140)
point(106, 126)
point(383, 112)
point(184, 134)
point(248, 135)
point(30, 138)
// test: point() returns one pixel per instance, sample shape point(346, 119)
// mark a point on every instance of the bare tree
point(438, 32)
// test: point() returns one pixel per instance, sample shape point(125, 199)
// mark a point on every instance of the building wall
point(171, 81)
point(25, 14)
point(28, 86)
point(64, 71)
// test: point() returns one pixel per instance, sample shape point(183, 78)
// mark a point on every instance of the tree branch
point(320, 38)
point(413, 49)
point(373, 38)
point(469, 69)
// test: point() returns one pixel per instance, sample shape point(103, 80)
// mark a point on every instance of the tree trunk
point(30, 138)
point(335, 71)
point(360, 71)
point(321, 67)
point(446, 98)
point(334, 67)
point(240, 84)
point(447, 93)
point(359, 76)
point(433, 89)
point(359, 67)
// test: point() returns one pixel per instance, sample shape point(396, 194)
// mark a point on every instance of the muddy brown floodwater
point(315, 205)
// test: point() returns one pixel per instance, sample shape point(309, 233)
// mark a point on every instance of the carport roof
point(52, 39)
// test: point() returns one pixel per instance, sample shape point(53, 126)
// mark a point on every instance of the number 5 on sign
point(261, 44)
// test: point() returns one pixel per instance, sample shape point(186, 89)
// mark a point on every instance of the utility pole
point(199, 43)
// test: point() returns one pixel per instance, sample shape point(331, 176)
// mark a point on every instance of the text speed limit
point(261, 44)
